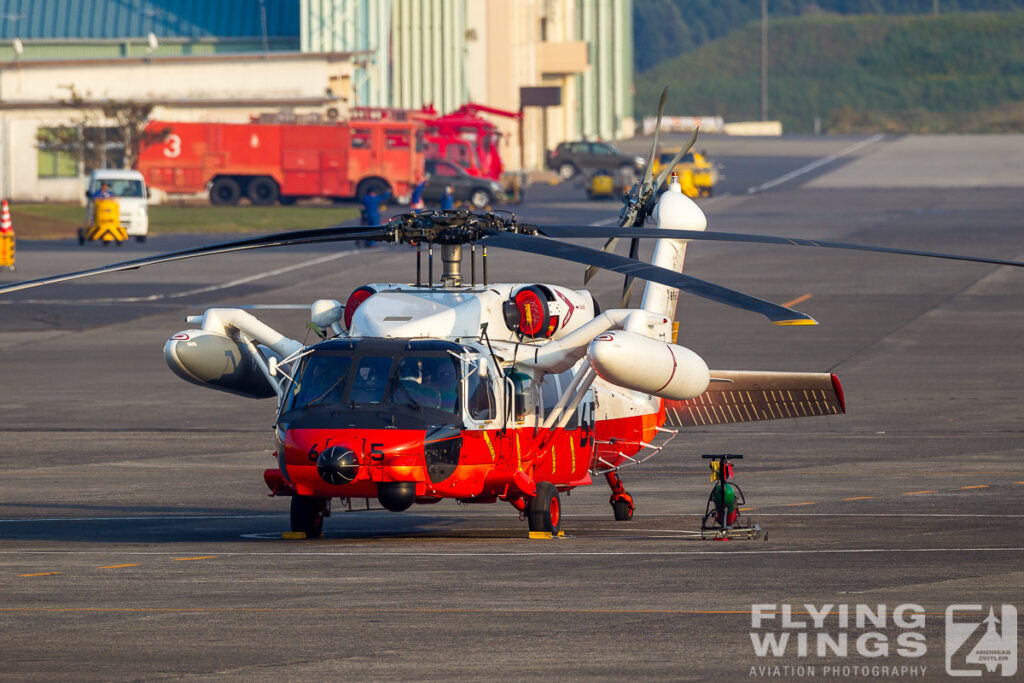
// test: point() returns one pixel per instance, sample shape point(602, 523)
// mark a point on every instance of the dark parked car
point(569, 158)
point(477, 191)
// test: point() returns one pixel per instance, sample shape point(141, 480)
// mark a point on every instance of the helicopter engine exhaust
point(216, 361)
point(636, 362)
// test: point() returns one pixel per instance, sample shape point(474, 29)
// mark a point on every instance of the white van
point(129, 189)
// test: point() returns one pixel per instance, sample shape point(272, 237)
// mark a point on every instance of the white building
point(41, 94)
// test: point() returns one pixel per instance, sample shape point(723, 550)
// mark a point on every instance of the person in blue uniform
point(371, 209)
point(371, 206)
point(416, 202)
point(448, 200)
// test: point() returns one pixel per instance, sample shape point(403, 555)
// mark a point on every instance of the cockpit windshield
point(429, 380)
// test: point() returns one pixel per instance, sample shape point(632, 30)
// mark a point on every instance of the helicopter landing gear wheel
point(623, 508)
point(621, 501)
point(544, 511)
point(308, 514)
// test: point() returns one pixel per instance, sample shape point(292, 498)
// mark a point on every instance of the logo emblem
point(975, 645)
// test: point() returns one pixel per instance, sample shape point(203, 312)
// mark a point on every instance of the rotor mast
point(451, 259)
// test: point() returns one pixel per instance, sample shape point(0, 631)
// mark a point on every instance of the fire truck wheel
point(378, 186)
point(308, 515)
point(225, 191)
point(262, 191)
point(545, 509)
point(479, 198)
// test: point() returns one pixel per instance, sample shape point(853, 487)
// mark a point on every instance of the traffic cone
point(6, 238)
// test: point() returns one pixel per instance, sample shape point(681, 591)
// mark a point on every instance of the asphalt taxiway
point(137, 540)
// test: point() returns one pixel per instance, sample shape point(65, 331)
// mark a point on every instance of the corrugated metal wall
point(353, 26)
point(606, 90)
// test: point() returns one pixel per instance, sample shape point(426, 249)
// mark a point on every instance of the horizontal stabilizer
point(744, 396)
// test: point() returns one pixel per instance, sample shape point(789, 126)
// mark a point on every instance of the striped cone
point(5, 218)
point(6, 238)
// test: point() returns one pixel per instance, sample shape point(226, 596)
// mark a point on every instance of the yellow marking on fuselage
point(490, 446)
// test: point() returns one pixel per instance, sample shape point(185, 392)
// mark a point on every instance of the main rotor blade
point(780, 315)
point(582, 231)
point(338, 233)
point(627, 285)
point(591, 271)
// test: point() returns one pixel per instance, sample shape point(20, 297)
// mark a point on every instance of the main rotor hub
point(451, 226)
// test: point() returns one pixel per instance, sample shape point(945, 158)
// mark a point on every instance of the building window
point(60, 148)
point(57, 164)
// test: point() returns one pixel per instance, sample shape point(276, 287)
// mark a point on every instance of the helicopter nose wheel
point(621, 501)
point(544, 511)
point(307, 515)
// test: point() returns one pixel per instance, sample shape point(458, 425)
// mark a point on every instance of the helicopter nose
point(338, 465)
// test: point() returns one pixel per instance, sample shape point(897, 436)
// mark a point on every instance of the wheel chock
point(294, 535)
point(536, 535)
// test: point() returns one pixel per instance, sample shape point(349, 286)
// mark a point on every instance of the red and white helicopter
point(487, 392)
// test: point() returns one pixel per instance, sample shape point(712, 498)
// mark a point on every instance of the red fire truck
point(462, 137)
point(268, 162)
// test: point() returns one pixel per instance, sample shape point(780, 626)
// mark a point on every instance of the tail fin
point(678, 212)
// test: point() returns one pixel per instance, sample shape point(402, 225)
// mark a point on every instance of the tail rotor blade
point(675, 160)
point(649, 171)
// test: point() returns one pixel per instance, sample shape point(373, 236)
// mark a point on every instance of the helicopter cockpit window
point(427, 381)
point(321, 381)
point(345, 381)
point(480, 397)
point(526, 394)
point(371, 380)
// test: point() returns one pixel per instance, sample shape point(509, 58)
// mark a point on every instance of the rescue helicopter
point(459, 388)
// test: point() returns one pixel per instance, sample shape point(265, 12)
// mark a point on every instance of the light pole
point(764, 60)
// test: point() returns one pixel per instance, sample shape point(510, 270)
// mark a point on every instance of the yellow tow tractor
point(116, 207)
point(104, 224)
point(697, 175)
point(605, 184)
